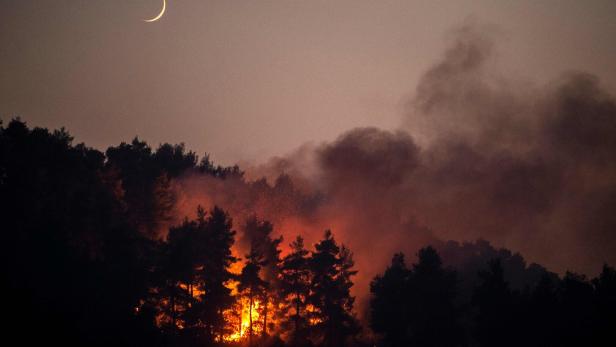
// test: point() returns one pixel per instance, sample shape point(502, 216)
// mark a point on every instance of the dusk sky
point(246, 80)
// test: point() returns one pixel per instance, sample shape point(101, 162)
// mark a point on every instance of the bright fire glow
point(239, 319)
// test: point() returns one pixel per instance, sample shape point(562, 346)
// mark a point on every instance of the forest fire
point(343, 209)
point(240, 321)
point(243, 319)
point(197, 286)
point(249, 299)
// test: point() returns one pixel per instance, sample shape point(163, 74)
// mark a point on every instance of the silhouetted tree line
point(93, 256)
point(84, 263)
point(423, 305)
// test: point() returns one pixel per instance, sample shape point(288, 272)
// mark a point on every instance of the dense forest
point(86, 264)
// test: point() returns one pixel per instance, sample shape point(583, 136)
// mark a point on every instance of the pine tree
point(431, 292)
point(331, 266)
point(252, 286)
point(214, 242)
point(295, 286)
point(494, 301)
point(388, 304)
point(259, 234)
point(177, 271)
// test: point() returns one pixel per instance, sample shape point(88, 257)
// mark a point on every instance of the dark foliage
point(416, 306)
point(331, 267)
point(75, 268)
point(294, 289)
point(422, 306)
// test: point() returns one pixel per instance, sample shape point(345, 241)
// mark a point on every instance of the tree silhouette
point(431, 310)
point(259, 234)
point(71, 258)
point(497, 318)
point(605, 303)
point(416, 307)
point(251, 285)
point(192, 275)
point(389, 304)
point(214, 247)
point(295, 288)
point(331, 267)
point(177, 267)
point(576, 312)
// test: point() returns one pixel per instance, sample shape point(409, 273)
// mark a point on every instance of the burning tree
point(253, 288)
point(191, 292)
point(201, 292)
point(214, 273)
point(267, 248)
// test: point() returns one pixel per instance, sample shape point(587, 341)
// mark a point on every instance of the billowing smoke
point(477, 156)
point(527, 168)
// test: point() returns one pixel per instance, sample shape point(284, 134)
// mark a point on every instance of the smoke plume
point(476, 156)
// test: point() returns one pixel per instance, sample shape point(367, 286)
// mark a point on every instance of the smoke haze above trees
point(478, 155)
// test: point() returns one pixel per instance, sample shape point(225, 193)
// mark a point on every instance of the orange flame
point(239, 319)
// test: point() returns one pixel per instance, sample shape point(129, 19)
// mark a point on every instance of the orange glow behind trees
point(262, 296)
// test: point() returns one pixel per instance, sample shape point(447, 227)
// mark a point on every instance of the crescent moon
point(159, 15)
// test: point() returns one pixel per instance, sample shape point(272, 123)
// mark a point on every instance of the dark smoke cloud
point(527, 168)
point(478, 156)
point(369, 156)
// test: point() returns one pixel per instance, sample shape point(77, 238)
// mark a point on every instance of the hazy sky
point(244, 80)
